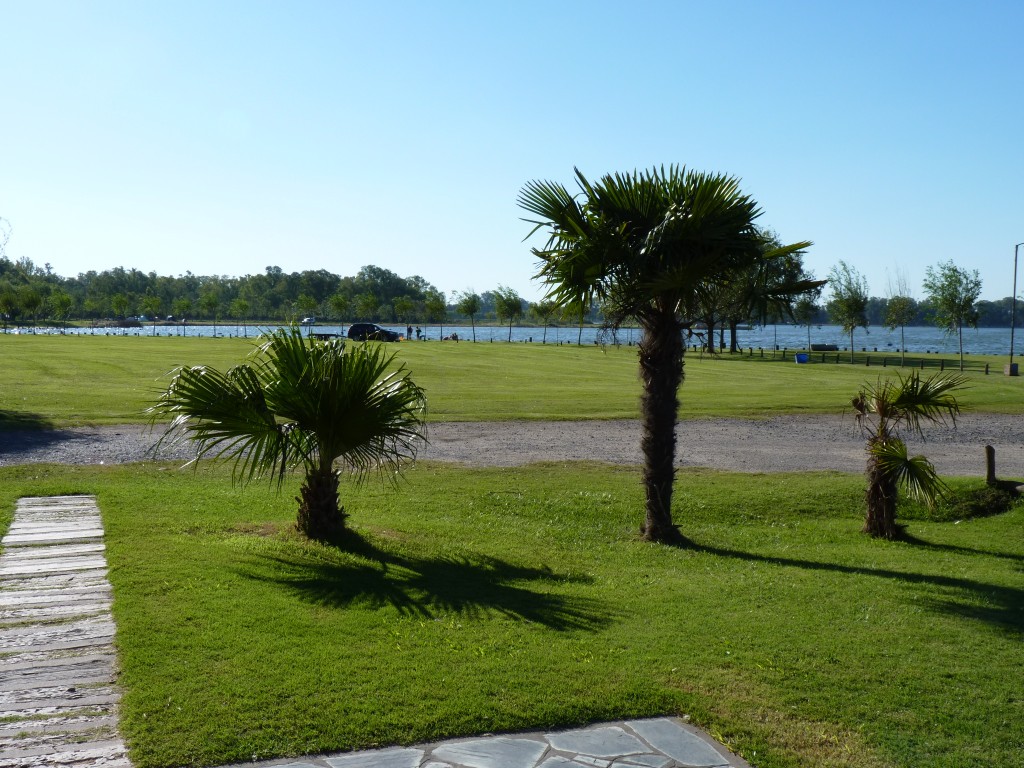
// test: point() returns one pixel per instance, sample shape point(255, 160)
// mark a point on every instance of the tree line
point(33, 294)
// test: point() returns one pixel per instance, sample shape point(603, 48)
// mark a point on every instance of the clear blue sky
point(223, 137)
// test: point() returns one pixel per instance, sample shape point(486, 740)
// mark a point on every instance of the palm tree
point(641, 245)
point(300, 403)
point(885, 408)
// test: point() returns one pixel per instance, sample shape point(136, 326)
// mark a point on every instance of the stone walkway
point(58, 696)
point(663, 742)
point(57, 663)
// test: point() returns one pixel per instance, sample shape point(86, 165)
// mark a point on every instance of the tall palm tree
point(883, 410)
point(297, 402)
point(642, 245)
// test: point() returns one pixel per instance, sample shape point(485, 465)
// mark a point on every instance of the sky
point(224, 137)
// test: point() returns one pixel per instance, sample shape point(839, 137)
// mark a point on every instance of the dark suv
point(371, 332)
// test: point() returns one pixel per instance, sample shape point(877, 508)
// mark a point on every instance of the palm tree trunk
point(320, 516)
point(661, 371)
point(881, 503)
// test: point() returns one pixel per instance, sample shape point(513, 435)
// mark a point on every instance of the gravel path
point(782, 444)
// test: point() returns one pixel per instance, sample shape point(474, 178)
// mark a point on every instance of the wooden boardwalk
point(58, 693)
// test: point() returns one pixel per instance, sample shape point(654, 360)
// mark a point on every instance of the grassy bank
point(71, 380)
point(492, 600)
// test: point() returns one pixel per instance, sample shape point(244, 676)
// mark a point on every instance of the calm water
point(986, 341)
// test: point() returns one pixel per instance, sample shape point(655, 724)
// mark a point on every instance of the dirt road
point(782, 444)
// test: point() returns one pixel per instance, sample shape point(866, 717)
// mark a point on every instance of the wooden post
point(990, 465)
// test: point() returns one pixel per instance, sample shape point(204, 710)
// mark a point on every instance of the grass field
point(478, 601)
point(487, 600)
point(89, 380)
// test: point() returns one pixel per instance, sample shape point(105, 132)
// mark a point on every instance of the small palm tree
point(884, 409)
point(300, 403)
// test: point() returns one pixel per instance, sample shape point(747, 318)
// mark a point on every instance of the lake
point(926, 339)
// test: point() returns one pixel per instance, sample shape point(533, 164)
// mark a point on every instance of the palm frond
point(909, 401)
point(298, 402)
point(915, 474)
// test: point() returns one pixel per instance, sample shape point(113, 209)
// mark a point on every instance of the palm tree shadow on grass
point(472, 586)
point(995, 604)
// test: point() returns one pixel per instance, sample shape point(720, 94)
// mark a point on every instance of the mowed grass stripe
point(95, 380)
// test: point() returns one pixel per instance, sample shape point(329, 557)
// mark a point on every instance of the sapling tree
point(848, 306)
point(953, 293)
point(884, 410)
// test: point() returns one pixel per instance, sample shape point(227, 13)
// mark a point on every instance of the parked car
point(371, 332)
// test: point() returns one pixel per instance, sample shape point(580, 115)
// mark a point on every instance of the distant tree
point(182, 309)
point(849, 303)
point(61, 302)
point(404, 309)
point(240, 310)
point(882, 410)
point(544, 310)
point(94, 307)
point(900, 310)
point(804, 312)
point(209, 304)
point(31, 300)
point(469, 305)
point(436, 310)
point(366, 306)
point(576, 314)
point(151, 307)
point(305, 305)
point(8, 303)
point(953, 293)
point(340, 305)
point(509, 306)
point(119, 305)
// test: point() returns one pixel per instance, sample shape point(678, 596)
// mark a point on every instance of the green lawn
point(491, 600)
point(87, 380)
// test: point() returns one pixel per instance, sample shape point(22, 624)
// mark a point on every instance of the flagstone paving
point(662, 742)
point(58, 693)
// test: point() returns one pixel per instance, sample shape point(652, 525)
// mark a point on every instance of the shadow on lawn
point(469, 586)
point(910, 539)
point(17, 420)
point(994, 604)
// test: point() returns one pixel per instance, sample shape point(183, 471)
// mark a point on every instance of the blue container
point(802, 357)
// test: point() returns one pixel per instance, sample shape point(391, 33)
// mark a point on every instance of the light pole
point(1010, 371)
